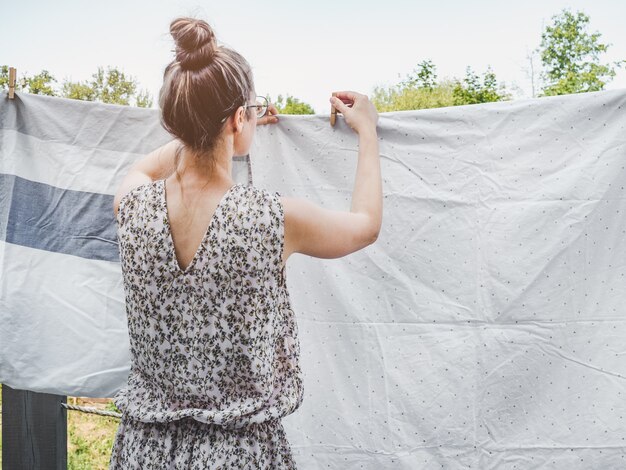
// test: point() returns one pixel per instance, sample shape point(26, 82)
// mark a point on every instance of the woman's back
point(217, 340)
point(213, 337)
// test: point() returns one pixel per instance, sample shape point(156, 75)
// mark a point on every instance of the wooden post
point(34, 430)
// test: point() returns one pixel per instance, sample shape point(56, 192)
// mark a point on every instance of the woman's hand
point(270, 116)
point(359, 112)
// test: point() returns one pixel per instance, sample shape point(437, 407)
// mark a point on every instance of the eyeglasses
point(260, 105)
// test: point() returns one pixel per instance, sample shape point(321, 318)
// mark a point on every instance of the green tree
point(424, 76)
point(421, 90)
point(78, 91)
point(418, 90)
point(20, 83)
point(291, 105)
point(471, 91)
point(4, 77)
point(39, 84)
point(570, 56)
point(111, 86)
point(143, 99)
point(403, 98)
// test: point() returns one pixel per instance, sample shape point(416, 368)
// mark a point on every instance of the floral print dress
point(214, 347)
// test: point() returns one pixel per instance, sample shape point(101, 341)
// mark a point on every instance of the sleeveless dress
point(214, 347)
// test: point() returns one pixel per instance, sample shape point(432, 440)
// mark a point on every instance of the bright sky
point(306, 49)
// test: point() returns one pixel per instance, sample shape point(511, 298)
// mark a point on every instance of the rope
point(92, 410)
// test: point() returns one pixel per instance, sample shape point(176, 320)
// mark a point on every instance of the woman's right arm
point(324, 233)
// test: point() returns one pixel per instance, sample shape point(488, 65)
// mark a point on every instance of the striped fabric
point(62, 317)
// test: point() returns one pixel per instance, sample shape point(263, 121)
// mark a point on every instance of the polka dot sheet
point(486, 327)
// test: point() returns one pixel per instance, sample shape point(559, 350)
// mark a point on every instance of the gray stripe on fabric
point(48, 218)
point(80, 223)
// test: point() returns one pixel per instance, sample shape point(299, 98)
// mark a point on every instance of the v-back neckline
point(205, 237)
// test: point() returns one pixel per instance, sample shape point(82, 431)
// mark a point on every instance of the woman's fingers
point(267, 120)
point(338, 104)
point(345, 100)
point(346, 94)
point(270, 116)
point(347, 97)
point(358, 111)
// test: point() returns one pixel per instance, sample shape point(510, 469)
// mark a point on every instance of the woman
point(213, 338)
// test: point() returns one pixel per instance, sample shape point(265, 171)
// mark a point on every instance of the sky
point(304, 49)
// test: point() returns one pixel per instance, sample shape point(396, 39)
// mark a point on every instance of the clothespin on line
point(12, 76)
point(333, 113)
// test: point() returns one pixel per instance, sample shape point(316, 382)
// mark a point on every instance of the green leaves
point(37, 84)
point(40, 83)
point(110, 86)
point(471, 91)
point(570, 56)
point(423, 77)
point(421, 90)
point(291, 105)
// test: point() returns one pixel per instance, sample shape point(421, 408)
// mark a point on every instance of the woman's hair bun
point(195, 42)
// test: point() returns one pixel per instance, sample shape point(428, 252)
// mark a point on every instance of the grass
point(90, 437)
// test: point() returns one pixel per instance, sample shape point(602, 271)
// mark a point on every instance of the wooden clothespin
point(333, 113)
point(12, 76)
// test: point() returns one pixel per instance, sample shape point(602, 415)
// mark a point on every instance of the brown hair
point(204, 84)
